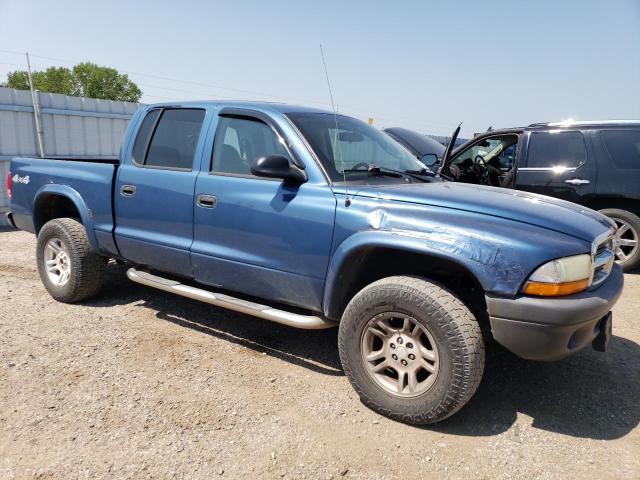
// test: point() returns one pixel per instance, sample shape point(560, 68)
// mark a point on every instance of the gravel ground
point(141, 384)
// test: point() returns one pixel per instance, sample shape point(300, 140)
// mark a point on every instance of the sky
point(423, 65)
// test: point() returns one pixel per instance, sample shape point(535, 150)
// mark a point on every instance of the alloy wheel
point(625, 242)
point(57, 262)
point(399, 354)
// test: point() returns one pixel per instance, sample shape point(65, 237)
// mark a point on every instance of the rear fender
point(68, 192)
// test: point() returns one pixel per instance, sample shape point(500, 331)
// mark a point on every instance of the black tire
point(456, 334)
point(86, 268)
point(617, 215)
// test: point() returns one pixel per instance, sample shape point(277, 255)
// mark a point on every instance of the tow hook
point(601, 342)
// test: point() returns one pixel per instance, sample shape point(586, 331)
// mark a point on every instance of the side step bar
point(308, 322)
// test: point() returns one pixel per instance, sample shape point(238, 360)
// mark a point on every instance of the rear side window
point(623, 147)
point(556, 149)
point(144, 134)
point(239, 141)
point(173, 138)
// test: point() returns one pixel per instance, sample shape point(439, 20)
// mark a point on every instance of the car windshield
point(354, 149)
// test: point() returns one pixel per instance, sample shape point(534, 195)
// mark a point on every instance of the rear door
point(619, 155)
point(557, 164)
point(154, 190)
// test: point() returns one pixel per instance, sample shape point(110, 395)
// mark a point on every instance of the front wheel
point(411, 349)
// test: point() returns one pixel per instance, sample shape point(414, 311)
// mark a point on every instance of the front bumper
point(552, 328)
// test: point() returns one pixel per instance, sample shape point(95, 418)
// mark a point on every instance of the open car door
point(446, 158)
point(488, 159)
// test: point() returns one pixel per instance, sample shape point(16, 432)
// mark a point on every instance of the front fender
point(68, 192)
point(475, 255)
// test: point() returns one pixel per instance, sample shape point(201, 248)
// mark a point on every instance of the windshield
point(354, 149)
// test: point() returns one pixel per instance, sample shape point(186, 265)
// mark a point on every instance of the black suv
point(595, 164)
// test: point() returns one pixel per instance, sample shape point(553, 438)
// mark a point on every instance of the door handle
point(206, 201)
point(128, 190)
point(577, 181)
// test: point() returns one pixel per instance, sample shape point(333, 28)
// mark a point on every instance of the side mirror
point(429, 159)
point(278, 166)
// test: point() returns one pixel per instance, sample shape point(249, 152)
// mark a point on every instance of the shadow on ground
point(316, 350)
point(588, 395)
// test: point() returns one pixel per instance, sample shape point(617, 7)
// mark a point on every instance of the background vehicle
point(595, 164)
point(425, 149)
point(308, 218)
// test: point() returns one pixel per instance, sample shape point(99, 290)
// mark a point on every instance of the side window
point(507, 158)
point(174, 140)
point(239, 141)
point(556, 149)
point(623, 147)
point(143, 136)
point(499, 152)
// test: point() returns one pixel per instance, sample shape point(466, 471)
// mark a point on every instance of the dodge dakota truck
point(313, 219)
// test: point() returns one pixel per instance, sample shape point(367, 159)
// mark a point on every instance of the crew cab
point(313, 219)
point(595, 164)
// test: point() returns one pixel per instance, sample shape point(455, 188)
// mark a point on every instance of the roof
point(585, 123)
point(278, 107)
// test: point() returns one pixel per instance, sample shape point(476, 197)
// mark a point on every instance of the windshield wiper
point(375, 170)
point(389, 172)
point(423, 172)
point(417, 174)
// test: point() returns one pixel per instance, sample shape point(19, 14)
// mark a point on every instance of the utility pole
point(36, 109)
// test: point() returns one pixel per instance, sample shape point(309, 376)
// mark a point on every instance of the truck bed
point(87, 181)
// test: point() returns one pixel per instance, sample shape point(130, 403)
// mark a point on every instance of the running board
point(308, 322)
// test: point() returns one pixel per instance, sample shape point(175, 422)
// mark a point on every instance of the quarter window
point(175, 138)
point(144, 134)
point(623, 147)
point(239, 141)
point(556, 149)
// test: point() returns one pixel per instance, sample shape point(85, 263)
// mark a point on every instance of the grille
point(603, 258)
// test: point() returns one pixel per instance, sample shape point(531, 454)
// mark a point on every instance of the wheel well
point(371, 264)
point(53, 206)
point(628, 204)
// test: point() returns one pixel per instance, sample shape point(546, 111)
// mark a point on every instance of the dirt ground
point(141, 384)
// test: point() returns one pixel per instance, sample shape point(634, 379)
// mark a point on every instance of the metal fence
point(70, 126)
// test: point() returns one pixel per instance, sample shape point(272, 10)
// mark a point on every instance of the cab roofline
point(584, 123)
point(282, 108)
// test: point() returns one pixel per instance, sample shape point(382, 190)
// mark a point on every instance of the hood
point(525, 207)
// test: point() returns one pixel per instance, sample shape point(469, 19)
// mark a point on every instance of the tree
point(84, 80)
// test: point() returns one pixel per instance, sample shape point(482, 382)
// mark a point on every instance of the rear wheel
point(68, 268)
point(411, 349)
point(626, 244)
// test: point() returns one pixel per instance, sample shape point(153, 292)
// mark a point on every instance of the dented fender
point(499, 252)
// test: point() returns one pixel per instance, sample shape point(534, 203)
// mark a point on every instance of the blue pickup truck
point(313, 219)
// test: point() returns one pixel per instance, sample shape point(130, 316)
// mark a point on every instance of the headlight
point(560, 277)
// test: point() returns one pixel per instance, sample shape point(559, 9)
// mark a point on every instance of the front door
point(489, 160)
point(154, 191)
point(557, 165)
point(258, 236)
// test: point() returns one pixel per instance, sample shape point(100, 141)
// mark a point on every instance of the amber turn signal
point(542, 289)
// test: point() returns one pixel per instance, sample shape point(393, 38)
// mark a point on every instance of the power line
point(160, 77)
point(345, 108)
